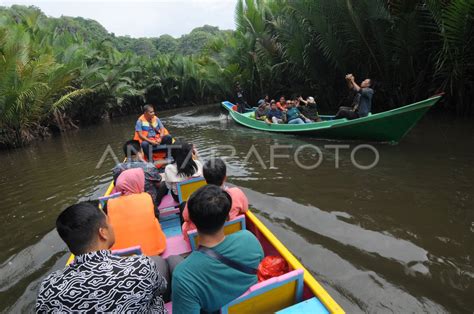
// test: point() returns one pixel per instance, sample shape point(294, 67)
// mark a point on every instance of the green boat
point(388, 126)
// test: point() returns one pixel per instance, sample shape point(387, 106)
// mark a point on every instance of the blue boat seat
point(104, 199)
point(133, 250)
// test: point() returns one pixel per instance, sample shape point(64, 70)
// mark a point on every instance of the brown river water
point(398, 237)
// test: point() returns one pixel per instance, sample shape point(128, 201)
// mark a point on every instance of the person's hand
point(152, 142)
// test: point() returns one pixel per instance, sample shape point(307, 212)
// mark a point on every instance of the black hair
point(131, 148)
point(182, 155)
point(147, 108)
point(78, 225)
point(214, 171)
point(209, 208)
point(373, 83)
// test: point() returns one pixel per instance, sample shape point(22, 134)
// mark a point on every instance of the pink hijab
point(131, 181)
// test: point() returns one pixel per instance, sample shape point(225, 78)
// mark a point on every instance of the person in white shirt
point(183, 167)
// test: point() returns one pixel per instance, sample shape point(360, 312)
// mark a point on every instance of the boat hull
point(388, 126)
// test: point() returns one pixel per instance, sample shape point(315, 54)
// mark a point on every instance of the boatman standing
point(150, 132)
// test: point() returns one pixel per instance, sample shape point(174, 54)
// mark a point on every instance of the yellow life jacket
point(134, 223)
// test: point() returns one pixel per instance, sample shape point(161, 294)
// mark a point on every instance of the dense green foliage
point(58, 72)
point(193, 43)
point(55, 73)
point(413, 48)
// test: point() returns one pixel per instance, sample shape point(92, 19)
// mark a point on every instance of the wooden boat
point(294, 292)
point(387, 126)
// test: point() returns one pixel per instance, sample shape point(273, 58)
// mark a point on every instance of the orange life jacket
point(134, 223)
point(146, 126)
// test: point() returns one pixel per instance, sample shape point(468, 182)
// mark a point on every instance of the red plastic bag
point(271, 266)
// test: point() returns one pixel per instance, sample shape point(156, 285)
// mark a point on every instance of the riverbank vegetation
point(58, 73)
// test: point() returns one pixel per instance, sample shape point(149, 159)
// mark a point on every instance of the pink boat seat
point(176, 246)
point(169, 307)
point(167, 202)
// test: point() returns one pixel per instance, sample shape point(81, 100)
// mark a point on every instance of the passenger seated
point(150, 132)
point(282, 104)
point(134, 159)
point(265, 99)
point(132, 215)
point(294, 116)
point(98, 281)
point(274, 115)
point(309, 108)
point(262, 110)
point(202, 282)
point(214, 172)
point(362, 103)
point(184, 167)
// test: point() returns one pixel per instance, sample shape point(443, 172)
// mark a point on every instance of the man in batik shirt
point(98, 281)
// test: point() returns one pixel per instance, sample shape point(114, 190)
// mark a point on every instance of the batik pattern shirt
point(101, 282)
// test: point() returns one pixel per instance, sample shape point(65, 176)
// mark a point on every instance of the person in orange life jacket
point(214, 171)
point(133, 215)
point(134, 159)
point(150, 132)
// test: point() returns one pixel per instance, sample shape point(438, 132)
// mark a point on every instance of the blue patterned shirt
point(102, 282)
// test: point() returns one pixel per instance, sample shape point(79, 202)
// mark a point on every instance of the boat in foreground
point(387, 126)
point(294, 292)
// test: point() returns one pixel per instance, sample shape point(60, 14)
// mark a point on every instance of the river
point(397, 237)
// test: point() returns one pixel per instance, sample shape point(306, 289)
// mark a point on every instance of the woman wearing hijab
point(132, 215)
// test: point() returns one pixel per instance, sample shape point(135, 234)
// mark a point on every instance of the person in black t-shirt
point(240, 100)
